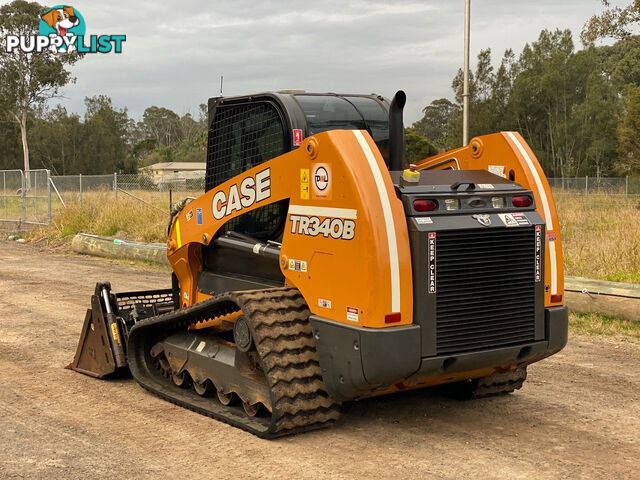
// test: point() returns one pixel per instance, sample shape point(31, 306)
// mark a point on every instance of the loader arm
point(507, 154)
point(345, 230)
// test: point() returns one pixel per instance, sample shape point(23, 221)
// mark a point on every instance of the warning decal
point(497, 170)
point(297, 137)
point(514, 219)
point(431, 263)
point(538, 253)
point(297, 265)
point(324, 303)
point(304, 184)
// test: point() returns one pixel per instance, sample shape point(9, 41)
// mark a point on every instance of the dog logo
point(483, 219)
point(62, 21)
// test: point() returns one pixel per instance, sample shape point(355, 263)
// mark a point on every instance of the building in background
point(175, 169)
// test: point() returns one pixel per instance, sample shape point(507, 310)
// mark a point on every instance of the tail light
point(524, 201)
point(556, 298)
point(425, 205)
point(392, 317)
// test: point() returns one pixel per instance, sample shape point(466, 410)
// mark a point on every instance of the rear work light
point(497, 202)
point(524, 201)
point(425, 205)
point(392, 318)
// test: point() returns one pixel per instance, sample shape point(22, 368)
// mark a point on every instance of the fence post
point(80, 189)
point(4, 193)
point(22, 198)
point(626, 186)
point(49, 194)
point(115, 185)
point(586, 188)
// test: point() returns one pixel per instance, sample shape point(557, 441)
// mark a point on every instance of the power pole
point(465, 92)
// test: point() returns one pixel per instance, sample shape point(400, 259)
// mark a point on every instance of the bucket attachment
point(102, 349)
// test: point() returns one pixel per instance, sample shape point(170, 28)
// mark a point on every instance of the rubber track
point(499, 383)
point(278, 319)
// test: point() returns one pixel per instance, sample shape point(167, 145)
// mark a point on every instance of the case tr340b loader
point(318, 267)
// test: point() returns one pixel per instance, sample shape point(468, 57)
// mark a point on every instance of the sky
point(175, 52)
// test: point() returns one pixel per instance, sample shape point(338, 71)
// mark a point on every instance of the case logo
point(483, 219)
point(251, 190)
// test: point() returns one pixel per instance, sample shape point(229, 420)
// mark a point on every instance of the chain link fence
point(598, 190)
point(25, 196)
point(33, 196)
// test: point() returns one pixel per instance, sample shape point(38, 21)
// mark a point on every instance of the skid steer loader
point(318, 267)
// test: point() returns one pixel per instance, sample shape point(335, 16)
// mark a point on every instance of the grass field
point(601, 238)
point(592, 323)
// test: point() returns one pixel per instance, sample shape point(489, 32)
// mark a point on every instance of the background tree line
point(579, 110)
point(105, 139)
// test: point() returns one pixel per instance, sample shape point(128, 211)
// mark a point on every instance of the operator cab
point(249, 130)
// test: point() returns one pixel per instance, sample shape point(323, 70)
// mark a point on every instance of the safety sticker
point(551, 236)
point(321, 175)
point(431, 264)
point(324, 303)
point(115, 334)
point(423, 220)
point(199, 216)
point(304, 184)
point(297, 137)
point(538, 253)
point(485, 185)
point(200, 347)
point(352, 314)
point(497, 170)
point(297, 265)
point(514, 219)
point(189, 215)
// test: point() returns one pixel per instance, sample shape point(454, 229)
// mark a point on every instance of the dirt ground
point(578, 414)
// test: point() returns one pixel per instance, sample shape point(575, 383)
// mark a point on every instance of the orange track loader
point(317, 267)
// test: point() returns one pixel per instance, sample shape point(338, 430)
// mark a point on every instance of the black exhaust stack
point(397, 159)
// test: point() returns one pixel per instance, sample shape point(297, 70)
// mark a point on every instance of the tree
point(27, 80)
point(417, 146)
point(57, 140)
point(629, 140)
point(163, 125)
point(433, 125)
point(614, 22)
point(106, 143)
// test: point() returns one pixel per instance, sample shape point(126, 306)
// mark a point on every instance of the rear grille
point(485, 289)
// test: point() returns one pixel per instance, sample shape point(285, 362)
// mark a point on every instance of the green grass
point(626, 277)
point(597, 324)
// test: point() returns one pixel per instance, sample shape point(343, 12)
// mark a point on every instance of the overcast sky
point(176, 51)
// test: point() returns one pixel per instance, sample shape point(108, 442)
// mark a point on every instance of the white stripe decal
point(554, 267)
point(351, 213)
point(546, 209)
point(388, 221)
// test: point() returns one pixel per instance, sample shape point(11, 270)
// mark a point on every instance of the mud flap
point(100, 351)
